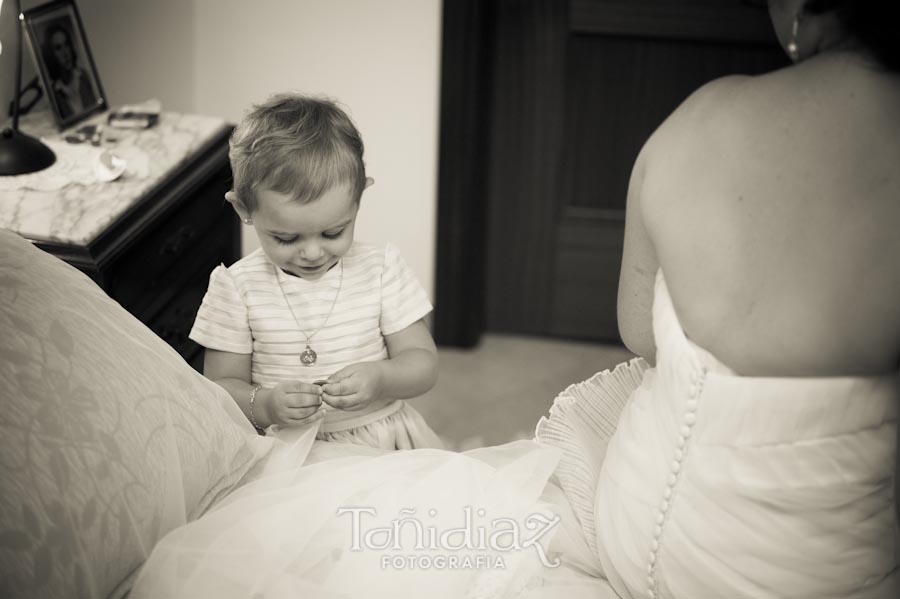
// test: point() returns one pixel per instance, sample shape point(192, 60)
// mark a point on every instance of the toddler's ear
point(238, 205)
point(369, 182)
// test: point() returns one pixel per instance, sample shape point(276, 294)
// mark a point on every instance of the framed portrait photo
point(64, 62)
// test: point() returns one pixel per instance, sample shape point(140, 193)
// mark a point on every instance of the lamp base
point(21, 154)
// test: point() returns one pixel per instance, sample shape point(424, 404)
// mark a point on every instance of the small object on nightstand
point(132, 120)
point(135, 116)
point(92, 134)
point(109, 166)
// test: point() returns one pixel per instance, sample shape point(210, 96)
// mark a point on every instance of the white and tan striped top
point(244, 312)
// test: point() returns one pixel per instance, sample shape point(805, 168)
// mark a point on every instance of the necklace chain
point(308, 356)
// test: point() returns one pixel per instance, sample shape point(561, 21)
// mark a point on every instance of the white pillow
point(108, 439)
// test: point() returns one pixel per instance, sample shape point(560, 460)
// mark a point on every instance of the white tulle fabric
point(682, 481)
point(281, 536)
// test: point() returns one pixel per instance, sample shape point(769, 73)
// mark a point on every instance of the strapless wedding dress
point(683, 481)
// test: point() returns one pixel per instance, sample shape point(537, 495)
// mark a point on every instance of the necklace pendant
point(308, 356)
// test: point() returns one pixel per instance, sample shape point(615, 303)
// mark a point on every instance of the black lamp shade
point(20, 154)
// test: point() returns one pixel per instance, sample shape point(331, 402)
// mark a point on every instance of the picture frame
point(64, 61)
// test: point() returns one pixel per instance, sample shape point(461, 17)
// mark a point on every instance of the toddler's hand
point(295, 403)
point(354, 386)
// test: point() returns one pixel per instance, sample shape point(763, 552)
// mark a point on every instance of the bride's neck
point(847, 48)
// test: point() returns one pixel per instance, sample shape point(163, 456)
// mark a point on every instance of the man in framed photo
point(70, 84)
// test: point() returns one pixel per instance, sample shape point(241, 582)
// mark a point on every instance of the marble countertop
point(66, 204)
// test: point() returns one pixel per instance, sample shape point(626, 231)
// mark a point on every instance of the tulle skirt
point(355, 521)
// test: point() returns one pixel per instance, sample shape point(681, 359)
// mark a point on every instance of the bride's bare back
point(772, 204)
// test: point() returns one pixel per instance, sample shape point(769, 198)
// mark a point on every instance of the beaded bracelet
point(259, 430)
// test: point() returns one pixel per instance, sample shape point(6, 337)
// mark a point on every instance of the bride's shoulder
point(715, 94)
point(720, 107)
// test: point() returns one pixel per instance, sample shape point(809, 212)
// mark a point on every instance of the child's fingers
point(306, 388)
point(297, 416)
point(344, 402)
point(304, 400)
point(297, 387)
point(339, 388)
point(305, 404)
point(343, 374)
point(331, 400)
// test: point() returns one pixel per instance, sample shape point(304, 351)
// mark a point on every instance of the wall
point(7, 54)
point(142, 49)
point(379, 59)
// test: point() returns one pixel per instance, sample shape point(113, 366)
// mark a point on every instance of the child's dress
point(344, 317)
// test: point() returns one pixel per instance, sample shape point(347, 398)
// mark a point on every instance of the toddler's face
point(305, 240)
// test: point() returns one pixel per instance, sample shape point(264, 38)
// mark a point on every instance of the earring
point(792, 49)
point(248, 221)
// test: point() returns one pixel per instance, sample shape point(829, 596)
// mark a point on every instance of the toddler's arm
point(409, 371)
point(287, 404)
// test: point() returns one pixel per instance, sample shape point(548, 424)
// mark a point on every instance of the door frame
point(463, 172)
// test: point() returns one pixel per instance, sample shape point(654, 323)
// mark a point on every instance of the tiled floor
point(497, 392)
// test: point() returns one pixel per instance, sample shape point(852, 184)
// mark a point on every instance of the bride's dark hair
point(872, 22)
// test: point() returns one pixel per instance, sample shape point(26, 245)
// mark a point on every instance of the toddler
point(314, 325)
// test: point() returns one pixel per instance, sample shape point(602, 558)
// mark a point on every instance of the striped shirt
point(245, 311)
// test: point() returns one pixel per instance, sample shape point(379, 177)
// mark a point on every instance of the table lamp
point(20, 153)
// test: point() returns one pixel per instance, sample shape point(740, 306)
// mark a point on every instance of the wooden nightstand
point(149, 239)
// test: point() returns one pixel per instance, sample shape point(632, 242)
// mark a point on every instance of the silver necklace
point(308, 356)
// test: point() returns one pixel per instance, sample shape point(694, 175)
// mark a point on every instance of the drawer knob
point(176, 243)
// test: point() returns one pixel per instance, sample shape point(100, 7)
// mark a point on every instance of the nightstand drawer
point(193, 268)
point(139, 274)
point(174, 324)
point(177, 299)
